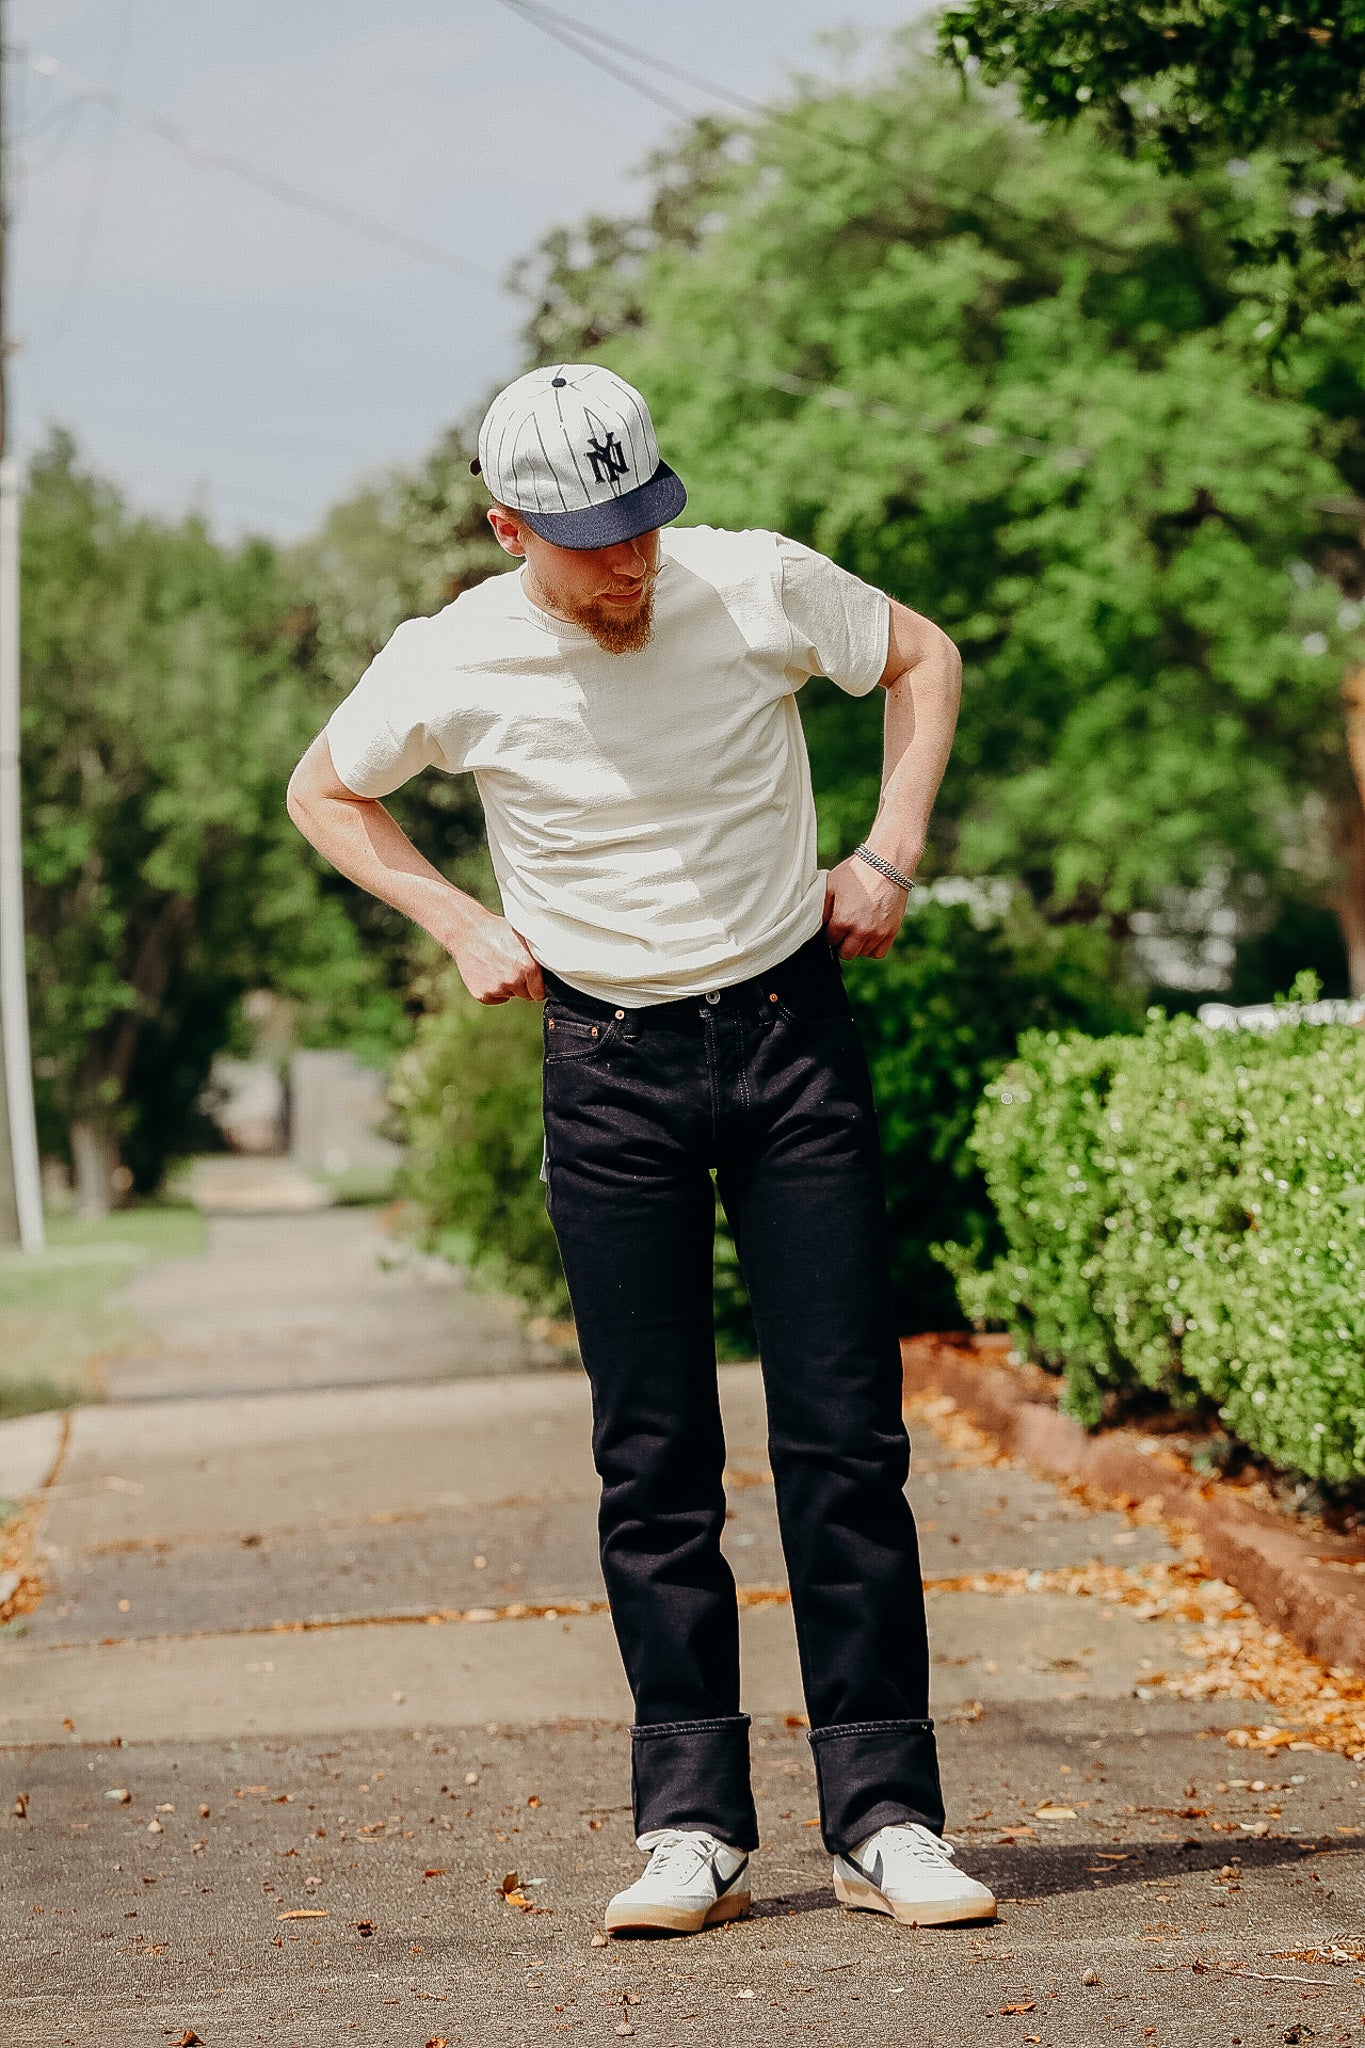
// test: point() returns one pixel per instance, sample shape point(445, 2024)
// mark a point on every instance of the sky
point(213, 345)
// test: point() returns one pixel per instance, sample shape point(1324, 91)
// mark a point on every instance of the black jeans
point(765, 1081)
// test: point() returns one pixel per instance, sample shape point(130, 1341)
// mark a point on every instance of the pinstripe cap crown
point(572, 449)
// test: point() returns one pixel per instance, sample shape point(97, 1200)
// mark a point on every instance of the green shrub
point(468, 1093)
point(939, 1016)
point(1184, 1212)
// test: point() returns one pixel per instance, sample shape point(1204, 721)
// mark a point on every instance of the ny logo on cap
point(607, 458)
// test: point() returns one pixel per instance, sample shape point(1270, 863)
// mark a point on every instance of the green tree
point(1004, 374)
point(1185, 83)
point(1183, 74)
point(165, 699)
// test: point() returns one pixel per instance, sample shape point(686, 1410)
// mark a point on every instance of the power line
point(317, 203)
point(590, 56)
point(542, 16)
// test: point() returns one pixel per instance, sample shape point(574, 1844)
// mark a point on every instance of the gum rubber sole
point(676, 1919)
point(865, 1898)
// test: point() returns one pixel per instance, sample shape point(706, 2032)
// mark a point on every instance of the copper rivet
point(772, 999)
point(594, 1031)
point(551, 1022)
point(620, 1013)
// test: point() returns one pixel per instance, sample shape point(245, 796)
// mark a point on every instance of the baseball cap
point(572, 449)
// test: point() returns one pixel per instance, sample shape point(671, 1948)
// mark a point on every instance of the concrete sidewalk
point(314, 1673)
point(325, 1299)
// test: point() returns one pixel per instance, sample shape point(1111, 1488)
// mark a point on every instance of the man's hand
point(360, 839)
point(863, 910)
point(495, 963)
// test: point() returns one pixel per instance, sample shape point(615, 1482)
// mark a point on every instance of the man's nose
point(630, 561)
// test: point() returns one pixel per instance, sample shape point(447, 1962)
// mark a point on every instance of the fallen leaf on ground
point(1019, 2005)
point(437, 2041)
point(599, 1939)
point(439, 1871)
point(21, 1806)
point(514, 1895)
point(305, 1913)
point(1054, 1813)
point(187, 2039)
point(364, 1928)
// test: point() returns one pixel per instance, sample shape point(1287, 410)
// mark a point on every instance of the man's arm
point(923, 684)
point(360, 839)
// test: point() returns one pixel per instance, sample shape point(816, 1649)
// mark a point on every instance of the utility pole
point(21, 1204)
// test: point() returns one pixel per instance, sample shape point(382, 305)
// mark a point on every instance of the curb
point(1309, 1586)
point(30, 1446)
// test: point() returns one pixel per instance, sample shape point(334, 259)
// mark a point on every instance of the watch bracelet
point(884, 867)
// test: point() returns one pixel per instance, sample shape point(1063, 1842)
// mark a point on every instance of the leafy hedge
point(940, 1016)
point(467, 1092)
point(1184, 1212)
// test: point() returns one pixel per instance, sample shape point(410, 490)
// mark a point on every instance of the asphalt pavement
point(321, 1667)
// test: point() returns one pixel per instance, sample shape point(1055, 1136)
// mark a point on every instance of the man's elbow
point(304, 800)
point(296, 798)
point(947, 652)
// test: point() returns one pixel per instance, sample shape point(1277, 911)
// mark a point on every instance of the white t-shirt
point(649, 815)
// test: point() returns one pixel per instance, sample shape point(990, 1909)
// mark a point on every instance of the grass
point(60, 1311)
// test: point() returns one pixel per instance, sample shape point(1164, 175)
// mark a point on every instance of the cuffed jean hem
point(875, 1774)
point(694, 1774)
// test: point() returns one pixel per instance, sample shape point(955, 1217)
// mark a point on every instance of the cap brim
point(603, 526)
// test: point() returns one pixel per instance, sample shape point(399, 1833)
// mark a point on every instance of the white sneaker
point(692, 1881)
point(910, 1874)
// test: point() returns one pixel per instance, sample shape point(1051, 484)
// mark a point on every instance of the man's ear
point(506, 530)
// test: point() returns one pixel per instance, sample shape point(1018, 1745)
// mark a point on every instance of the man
point(627, 704)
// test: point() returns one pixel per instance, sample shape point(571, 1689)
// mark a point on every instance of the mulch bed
point(1305, 1583)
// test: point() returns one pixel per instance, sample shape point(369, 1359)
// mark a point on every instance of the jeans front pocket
point(814, 996)
point(568, 1037)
